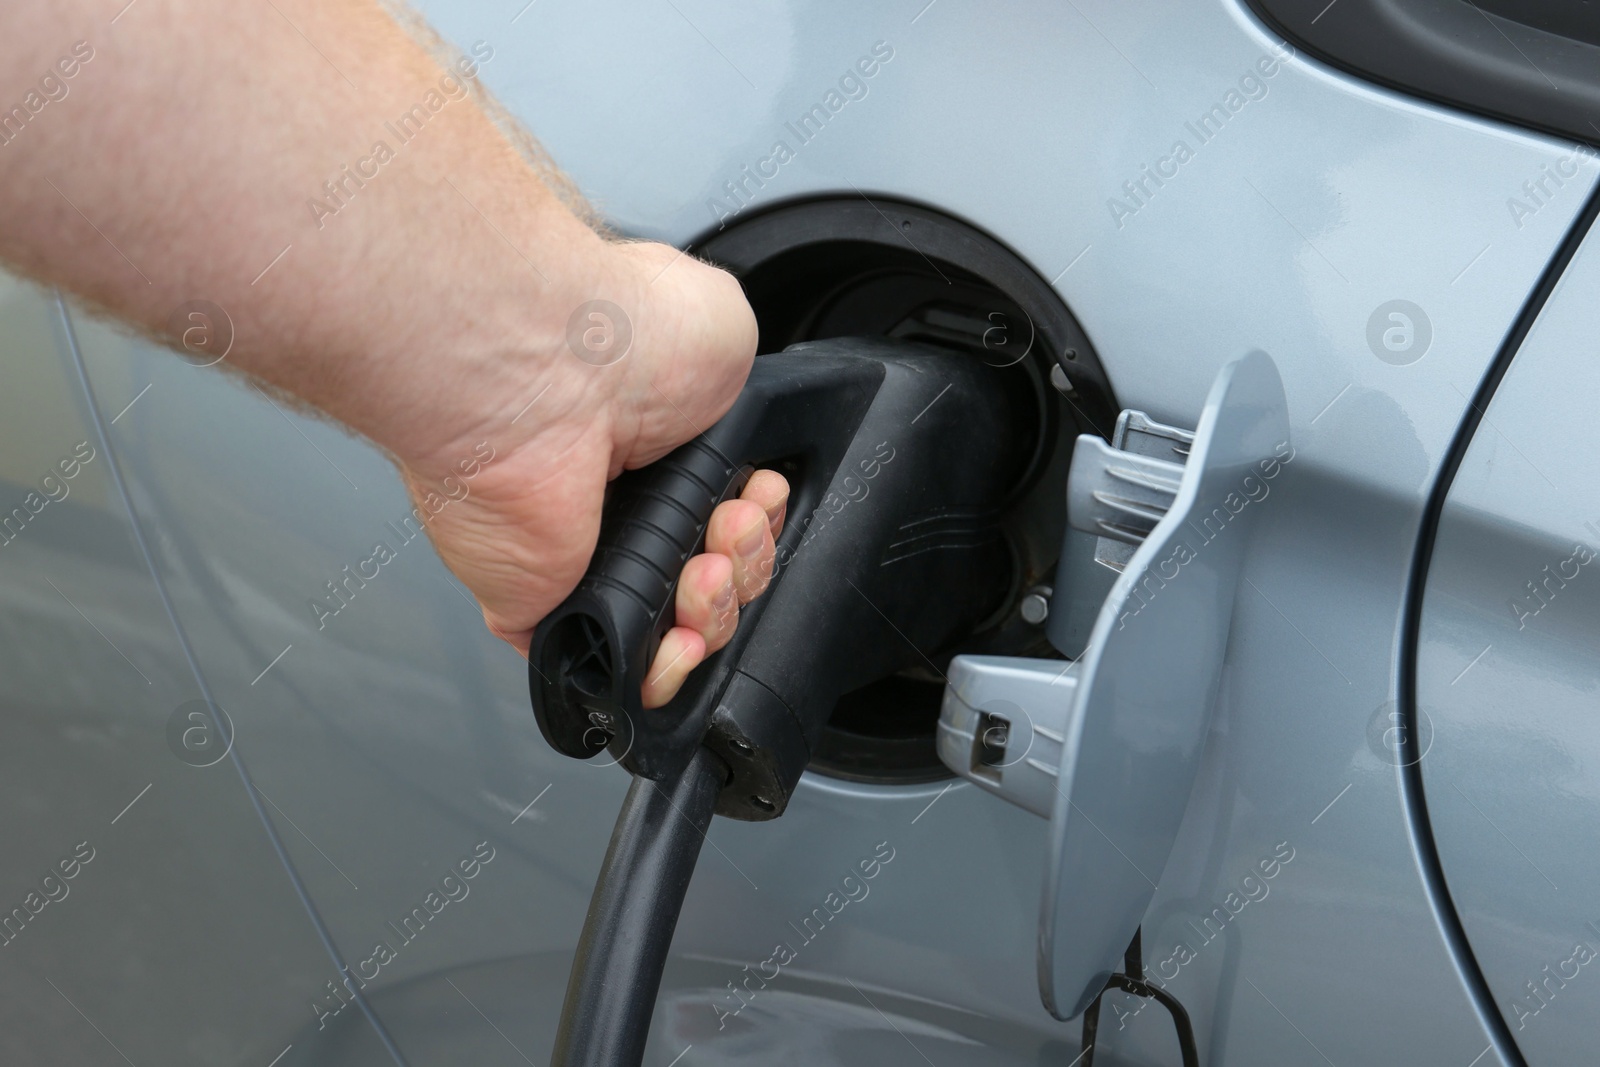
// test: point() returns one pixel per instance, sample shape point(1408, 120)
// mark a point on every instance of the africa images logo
point(1399, 332)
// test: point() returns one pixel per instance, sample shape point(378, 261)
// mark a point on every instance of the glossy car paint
point(395, 737)
point(1506, 676)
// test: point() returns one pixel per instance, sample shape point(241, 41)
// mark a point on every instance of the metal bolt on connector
point(1035, 606)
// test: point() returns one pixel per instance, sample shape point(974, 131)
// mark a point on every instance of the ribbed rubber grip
point(608, 635)
point(588, 659)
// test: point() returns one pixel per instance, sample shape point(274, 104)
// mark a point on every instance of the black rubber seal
point(1411, 783)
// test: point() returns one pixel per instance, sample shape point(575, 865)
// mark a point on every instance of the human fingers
point(741, 530)
point(681, 651)
point(770, 490)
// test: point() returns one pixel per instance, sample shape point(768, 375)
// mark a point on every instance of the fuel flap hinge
point(1002, 725)
point(1116, 494)
point(1004, 718)
point(1121, 490)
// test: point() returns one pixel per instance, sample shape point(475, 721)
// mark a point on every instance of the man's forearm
point(383, 253)
point(275, 154)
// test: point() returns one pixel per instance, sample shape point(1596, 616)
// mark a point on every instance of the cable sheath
point(616, 973)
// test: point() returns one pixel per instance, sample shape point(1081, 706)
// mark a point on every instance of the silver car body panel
point(394, 736)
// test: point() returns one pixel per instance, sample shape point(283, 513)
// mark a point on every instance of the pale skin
point(426, 313)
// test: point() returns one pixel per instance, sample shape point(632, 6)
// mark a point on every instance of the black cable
point(1134, 982)
point(616, 972)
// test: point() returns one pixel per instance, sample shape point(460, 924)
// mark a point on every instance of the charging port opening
point(851, 268)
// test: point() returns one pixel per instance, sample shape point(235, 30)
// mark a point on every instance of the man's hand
point(387, 254)
point(522, 537)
